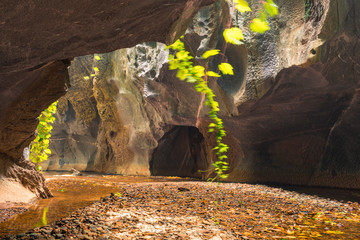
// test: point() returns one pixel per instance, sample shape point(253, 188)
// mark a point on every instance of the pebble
point(6, 213)
point(186, 211)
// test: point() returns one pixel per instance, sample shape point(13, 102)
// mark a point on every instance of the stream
point(74, 192)
point(70, 193)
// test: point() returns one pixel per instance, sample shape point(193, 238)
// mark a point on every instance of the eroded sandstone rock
point(291, 110)
point(38, 39)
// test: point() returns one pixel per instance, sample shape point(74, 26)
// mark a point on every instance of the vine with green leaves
point(39, 147)
point(197, 75)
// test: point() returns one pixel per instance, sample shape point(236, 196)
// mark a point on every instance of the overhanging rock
point(37, 40)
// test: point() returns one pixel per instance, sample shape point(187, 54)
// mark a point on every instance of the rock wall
point(38, 40)
point(112, 122)
point(291, 109)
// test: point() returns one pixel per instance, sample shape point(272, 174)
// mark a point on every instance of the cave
point(34, 68)
point(181, 152)
point(296, 100)
point(291, 113)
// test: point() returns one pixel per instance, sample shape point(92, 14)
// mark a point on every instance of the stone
point(34, 235)
point(181, 189)
point(59, 236)
point(75, 172)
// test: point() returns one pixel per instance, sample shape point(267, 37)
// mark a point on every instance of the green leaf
point(212, 74)
point(226, 69)
point(191, 80)
point(47, 151)
point(233, 35)
point(212, 125)
point(210, 53)
point(173, 65)
point(177, 45)
point(222, 157)
point(242, 6)
point(182, 55)
point(182, 74)
point(199, 71)
point(271, 8)
point(259, 26)
point(195, 74)
point(224, 176)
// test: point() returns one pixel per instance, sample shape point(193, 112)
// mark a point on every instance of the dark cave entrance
point(181, 152)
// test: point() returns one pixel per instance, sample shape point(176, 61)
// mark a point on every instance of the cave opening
point(181, 152)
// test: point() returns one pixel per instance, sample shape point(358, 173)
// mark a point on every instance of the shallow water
point(71, 193)
point(339, 194)
point(74, 192)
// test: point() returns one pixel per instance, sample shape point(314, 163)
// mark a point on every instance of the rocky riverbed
point(7, 212)
point(202, 210)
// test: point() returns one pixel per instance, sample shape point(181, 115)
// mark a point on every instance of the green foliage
point(259, 25)
point(197, 75)
point(271, 8)
point(226, 69)
point(233, 36)
point(181, 61)
point(95, 70)
point(39, 149)
point(210, 53)
point(242, 6)
point(212, 74)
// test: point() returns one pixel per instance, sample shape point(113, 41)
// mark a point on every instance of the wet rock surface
point(200, 210)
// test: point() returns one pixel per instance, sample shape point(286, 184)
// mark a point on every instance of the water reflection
point(71, 193)
point(74, 192)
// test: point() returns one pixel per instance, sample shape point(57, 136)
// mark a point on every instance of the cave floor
point(174, 208)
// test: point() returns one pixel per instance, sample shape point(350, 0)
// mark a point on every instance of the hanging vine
point(181, 61)
point(39, 147)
